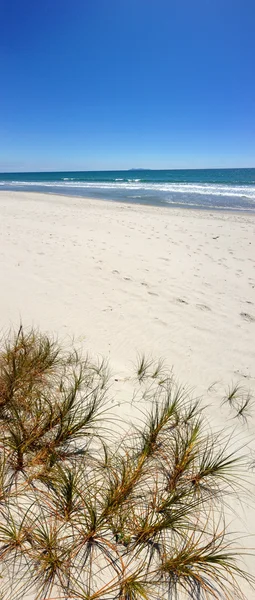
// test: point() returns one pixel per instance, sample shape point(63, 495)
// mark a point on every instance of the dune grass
point(240, 400)
point(86, 513)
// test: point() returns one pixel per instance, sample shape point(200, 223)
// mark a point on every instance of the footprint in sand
point(203, 307)
point(247, 317)
point(181, 301)
point(239, 373)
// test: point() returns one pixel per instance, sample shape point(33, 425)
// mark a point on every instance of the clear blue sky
point(93, 84)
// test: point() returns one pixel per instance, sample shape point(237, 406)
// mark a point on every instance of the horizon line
point(127, 170)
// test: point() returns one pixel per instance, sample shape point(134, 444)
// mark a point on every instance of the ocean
point(222, 189)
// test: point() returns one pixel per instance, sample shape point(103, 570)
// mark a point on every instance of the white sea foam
point(201, 189)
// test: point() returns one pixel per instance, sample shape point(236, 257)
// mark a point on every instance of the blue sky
point(107, 84)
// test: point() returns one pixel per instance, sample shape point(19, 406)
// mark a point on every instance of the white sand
point(124, 279)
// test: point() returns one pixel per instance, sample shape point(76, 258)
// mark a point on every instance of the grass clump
point(88, 514)
point(240, 401)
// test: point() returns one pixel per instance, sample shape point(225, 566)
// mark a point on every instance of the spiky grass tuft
point(240, 401)
point(135, 518)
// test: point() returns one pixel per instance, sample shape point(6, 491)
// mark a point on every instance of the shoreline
point(190, 208)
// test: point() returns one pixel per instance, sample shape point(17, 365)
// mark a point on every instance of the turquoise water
point(227, 189)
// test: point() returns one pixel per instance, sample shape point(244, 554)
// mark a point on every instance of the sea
point(218, 189)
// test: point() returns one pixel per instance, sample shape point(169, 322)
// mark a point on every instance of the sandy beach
point(125, 279)
point(127, 301)
point(122, 280)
